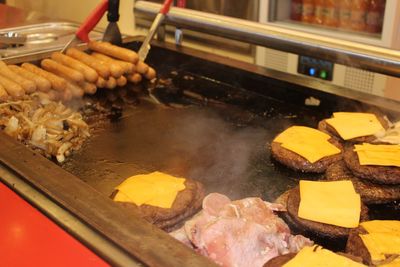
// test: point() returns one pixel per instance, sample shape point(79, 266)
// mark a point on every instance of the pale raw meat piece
point(238, 242)
point(240, 233)
point(214, 202)
point(181, 236)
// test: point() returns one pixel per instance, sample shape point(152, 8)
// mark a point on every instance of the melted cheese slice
point(317, 257)
point(382, 155)
point(309, 143)
point(352, 124)
point(334, 203)
point(381, 226)
point(300, 133)
point(379, 244)
point(383, 238)
point(156, 189)
point(394, 263)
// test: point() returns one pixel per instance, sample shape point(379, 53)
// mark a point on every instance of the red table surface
point(28, 238)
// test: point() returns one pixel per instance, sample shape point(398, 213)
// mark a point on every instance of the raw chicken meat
point(239, 233)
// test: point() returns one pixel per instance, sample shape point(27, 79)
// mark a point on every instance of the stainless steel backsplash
point(243, 9)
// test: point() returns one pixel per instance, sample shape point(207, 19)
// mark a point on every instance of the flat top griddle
point(216, 127)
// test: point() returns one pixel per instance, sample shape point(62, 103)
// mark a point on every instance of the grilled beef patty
point(297, 162)
point(323, 126)
point(280, 260)
point(186, 204)
point(375, 174)
point(355, 246)
point(371, 193)
point(320, 229)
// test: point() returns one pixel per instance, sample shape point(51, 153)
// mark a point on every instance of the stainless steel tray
point(42, 37)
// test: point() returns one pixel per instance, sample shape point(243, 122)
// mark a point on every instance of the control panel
point(314, 67)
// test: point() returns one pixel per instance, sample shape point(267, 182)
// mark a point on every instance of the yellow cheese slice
point(334, 203)
point(121, 197)
point(394, 263)
point(381, 244)
point(381, 226)
point(155, 189)
point(300, 133)
point(313, 149)
point(318, 257)
point(352, 124)
point(309, 143)
point(382, 155)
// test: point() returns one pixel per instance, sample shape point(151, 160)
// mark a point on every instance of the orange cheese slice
point(352, 124)
point(381, 244)
point(394, 263)
point(334, 203)
point(382, 155)
point(156, 189)
point(300, 133)
point(317, 257)
point(381, 226)
point(309, 143)
point(383, 239)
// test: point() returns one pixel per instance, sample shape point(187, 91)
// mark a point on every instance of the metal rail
point(367, 57)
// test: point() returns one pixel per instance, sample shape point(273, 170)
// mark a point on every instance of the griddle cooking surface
point(205, 143)
point(222, 142)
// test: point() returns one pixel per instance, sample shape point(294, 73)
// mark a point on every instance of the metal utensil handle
point(91, 21)
point(113, 10)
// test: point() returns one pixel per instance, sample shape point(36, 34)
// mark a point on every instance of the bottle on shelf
point(307, 14)
point(296, 7)
point(345, 14)
point(319, 6)
point(374, 19)
point(359, 9)
point(331, 14)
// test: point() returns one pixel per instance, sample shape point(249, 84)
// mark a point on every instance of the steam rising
point(216, 151)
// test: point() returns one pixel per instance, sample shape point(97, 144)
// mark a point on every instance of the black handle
point(113, 10)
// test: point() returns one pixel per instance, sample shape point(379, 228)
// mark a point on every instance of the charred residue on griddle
point(390, 211)
point(115, 113)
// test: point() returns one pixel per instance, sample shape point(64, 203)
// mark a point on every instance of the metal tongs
point(82, 34)
point(145, 48)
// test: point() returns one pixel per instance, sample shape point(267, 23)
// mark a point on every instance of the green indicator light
point(323, 74)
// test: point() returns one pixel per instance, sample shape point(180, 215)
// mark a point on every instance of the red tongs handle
point(91, 21)
point(165, 8)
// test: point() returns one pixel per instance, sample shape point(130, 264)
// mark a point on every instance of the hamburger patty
point(280, 260)
point(355, 246)
point(375, 174)
point(186, 204)
point(194, 207)
point(323, 126)
point(371, 193)
point(297, 162)
point(321, 229)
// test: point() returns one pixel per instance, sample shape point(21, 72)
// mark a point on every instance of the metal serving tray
point(42, 37)
point(221, 115)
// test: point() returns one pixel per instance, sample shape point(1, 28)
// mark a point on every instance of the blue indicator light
point(312, 71)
